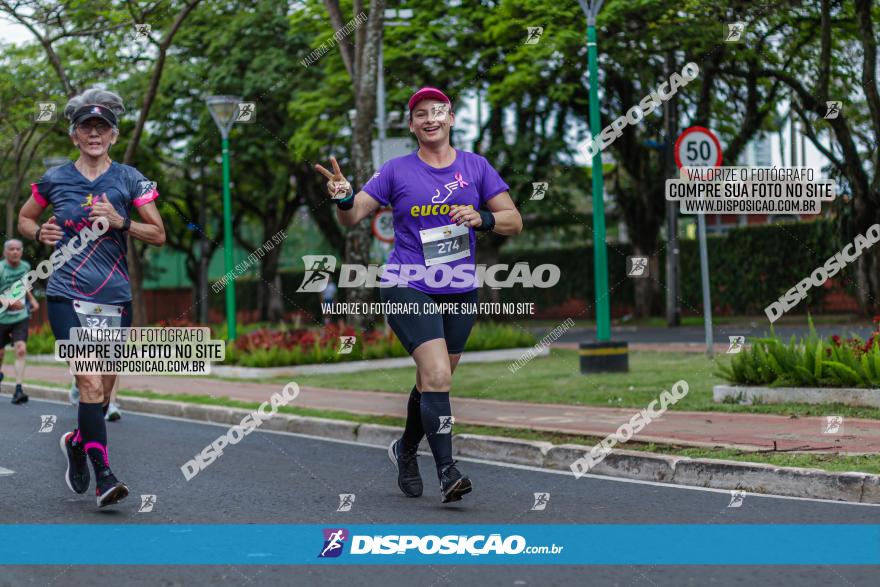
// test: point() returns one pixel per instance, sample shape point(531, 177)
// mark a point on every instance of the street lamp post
point(224, 110)
point(600, 254)
point(602, 355)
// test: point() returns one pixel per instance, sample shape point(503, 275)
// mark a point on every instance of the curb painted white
point(661, 469)
point(746, 395)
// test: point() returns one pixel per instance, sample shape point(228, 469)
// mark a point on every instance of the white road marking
point(6, 471)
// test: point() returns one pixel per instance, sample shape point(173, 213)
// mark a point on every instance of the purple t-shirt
point(421, 198)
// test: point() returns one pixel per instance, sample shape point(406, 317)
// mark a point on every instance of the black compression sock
point(437, 421)
point(413, 433)
point(93, 430)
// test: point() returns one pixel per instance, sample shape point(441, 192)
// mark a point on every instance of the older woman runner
point(437, 195)
point(92, 289)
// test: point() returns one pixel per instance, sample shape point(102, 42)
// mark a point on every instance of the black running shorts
point(62, 316)
point(17, 331)
point(415, 328)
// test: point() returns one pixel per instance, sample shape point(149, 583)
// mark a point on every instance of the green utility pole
point(227, 242)
point(603, 355)
point(600, 251)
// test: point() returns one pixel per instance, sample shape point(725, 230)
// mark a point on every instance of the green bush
point(810, 362)
point(745, 268)
point(41, 341)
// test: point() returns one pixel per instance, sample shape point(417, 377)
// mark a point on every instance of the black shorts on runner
point(62, 316)
point(14, 332)
point(415, 328)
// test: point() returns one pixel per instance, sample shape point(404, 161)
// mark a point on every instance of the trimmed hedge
point(752, 266)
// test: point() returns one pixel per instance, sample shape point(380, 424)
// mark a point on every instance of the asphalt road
point(271, 478)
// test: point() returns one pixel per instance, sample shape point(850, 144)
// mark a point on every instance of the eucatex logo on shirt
point(450, 544)
point(435, 209)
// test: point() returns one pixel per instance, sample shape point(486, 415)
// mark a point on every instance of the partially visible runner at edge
point(439, 196)
point(92, 288)
point(15, 319)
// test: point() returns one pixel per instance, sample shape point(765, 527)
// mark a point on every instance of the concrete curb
point(628, 464)
point(495, 356)
point(850, 396)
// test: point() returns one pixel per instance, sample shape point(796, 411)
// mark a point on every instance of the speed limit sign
point(383, 225)
point(697, 147)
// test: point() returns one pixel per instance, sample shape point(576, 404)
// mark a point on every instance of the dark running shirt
point(99, 273)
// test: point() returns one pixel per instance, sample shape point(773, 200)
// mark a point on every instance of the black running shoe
point(453, 484)
point(408, 478)
point(19, 397)
point(77, 475)
point(109, 489)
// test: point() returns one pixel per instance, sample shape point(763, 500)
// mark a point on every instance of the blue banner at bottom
point(612, 544)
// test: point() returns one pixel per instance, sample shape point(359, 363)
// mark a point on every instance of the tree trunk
point(136, 277)
point(868, 279)
point(644, 287)
point(135, 267)
point(276, 305)
point(10, 214)
point(364, 70)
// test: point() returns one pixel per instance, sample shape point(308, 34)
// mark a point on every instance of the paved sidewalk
point(746, 431)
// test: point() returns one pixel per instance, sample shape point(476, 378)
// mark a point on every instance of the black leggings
point(415, 328)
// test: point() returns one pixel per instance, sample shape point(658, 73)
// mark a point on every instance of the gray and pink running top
point(99, 273)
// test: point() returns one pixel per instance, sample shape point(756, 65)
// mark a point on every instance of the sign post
point(699, 147)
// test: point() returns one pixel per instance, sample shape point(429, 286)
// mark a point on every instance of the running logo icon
point(147, 504)
point(439, 112)
point(446, 423)
point(46, 112)
point(334, 541)
point(450, 187)
point(346, 344)
point(47, 423)
point(736, 344)
point(832, 109)
point(539, 188)
point(637, 266)
point(346, 500)
point(246, 112)
point(833, 425)
point(534, 35)
point(142, 32)
point(319, 270)
point(541, 501)
point(735, 32)
point(736, 498)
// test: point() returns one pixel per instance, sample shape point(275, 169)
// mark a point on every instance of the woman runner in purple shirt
point(439, 196)
point(91, 288)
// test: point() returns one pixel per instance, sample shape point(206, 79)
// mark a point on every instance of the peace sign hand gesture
point(337, 186)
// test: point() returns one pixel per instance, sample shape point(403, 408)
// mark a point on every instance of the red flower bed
point(267, 338)
point(856, 344)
